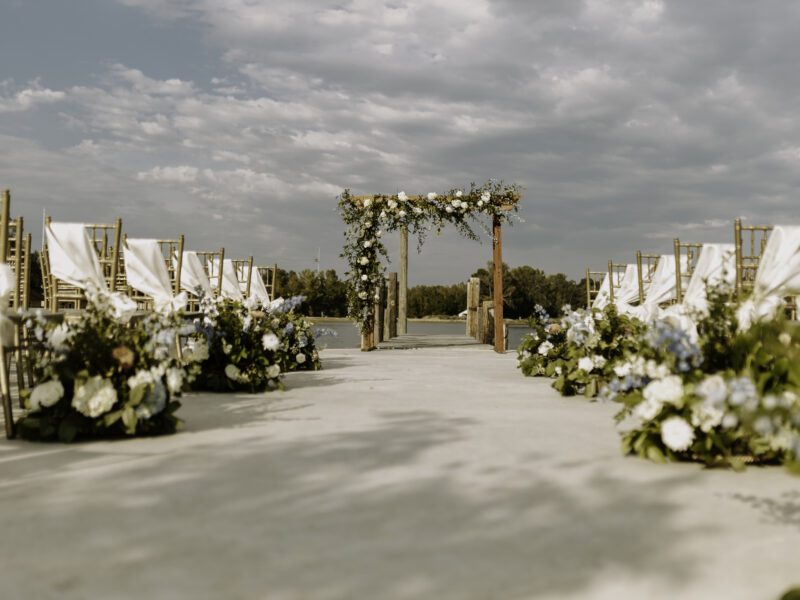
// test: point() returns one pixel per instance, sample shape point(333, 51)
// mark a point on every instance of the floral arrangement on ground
point(101, 377)
point(368, 218)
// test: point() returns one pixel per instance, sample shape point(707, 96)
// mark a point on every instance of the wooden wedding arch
point(506, 204)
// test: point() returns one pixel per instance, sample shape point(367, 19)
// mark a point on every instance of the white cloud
point(27, 98)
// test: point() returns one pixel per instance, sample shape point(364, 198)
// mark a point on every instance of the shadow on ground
point(346, 514)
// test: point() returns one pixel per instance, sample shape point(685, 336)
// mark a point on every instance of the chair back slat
point(645, 266)
point(212, 263)
point(616, 273)
point(686, 255)
point(594, 281)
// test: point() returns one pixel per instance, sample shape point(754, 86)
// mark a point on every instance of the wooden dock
point(410, 341)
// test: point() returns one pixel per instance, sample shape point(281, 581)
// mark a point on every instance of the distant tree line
point(326, 294)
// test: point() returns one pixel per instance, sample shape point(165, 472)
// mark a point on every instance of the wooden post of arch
point(497, 260)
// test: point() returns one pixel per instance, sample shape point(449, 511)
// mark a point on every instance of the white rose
point(270, 342)
point(226, 347)
point(94, 397)
point(175, 380)
point(586, 364)
point(392, 204)
point(713, 390)
point(558, 370)
point(449, 209)
point(364, 277)
point(402, 196)
point(383, 214)
point(785, 338)
point(46, 394)
point(432, 195)
point(677, 434)
point(367, 202)
point(368, 244)
point(456, 203)
point(300, 358)
point(273, 371)
point(364, 260)
point(459, 193)
point(545, 347)
point(363, 295)
point(401, 214)
point(730, 420)
point(480, 203)
point(417, 210)
point(368, 224)
point(486, 196)
point(232, 372)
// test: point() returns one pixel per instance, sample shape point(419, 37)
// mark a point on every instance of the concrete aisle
point(436, 473)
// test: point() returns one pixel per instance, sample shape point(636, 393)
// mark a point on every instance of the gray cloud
point(627, 121)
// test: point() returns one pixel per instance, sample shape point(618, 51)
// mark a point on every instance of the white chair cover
point(257, 288)
point(230, 282)
point(628, 291)
point(193, 275)
point(73, 258)
point(662, 288)
point(716, 264)
point(146, 272)
point(778, 276)
point(602, 298)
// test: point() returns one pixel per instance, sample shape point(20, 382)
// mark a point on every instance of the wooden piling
point(473, 299)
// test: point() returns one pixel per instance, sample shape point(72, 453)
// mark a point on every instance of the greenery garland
point(369, 217)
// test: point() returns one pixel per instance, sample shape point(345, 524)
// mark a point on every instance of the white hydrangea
point(586, 364)
point(270, 342)
point(459, 193)
point(175, 380)
point(677, 434)
point(401, 214)
point(143, 377)
point(656, 370)
point(273, 371)
point(392, 204)
point(486, 196)
point(713, 390)
point(664, 391)
point(432, 195)
point(300, 358)
point(402, 196)
point(706, 416)
point(96, 396)
point(647, 410)
point(545, 347)
point(599, 361)
point(367, 202)
point(46, 394)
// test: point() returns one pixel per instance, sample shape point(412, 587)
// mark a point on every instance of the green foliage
point(324, 293)
point(102, 378)
point(243, 350)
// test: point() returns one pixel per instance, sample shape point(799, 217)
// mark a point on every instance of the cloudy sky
point(237, 122)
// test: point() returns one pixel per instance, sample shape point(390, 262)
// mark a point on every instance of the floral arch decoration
point(368, 218)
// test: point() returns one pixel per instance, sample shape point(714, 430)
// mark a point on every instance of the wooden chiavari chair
point(244, 274)
point(616, 272)
point(15, 251)
point(594, 281)
point(212, 262)
point(172, 251)
point(645, 265)
point(106, 239)
point(750, 242)
point(684, 269)
point(269, 275)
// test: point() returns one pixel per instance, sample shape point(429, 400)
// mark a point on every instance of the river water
point(347, 335)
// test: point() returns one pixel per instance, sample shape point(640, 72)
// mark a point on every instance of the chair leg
point(5, 392)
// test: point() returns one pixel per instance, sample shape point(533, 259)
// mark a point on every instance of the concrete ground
point(436, 473)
